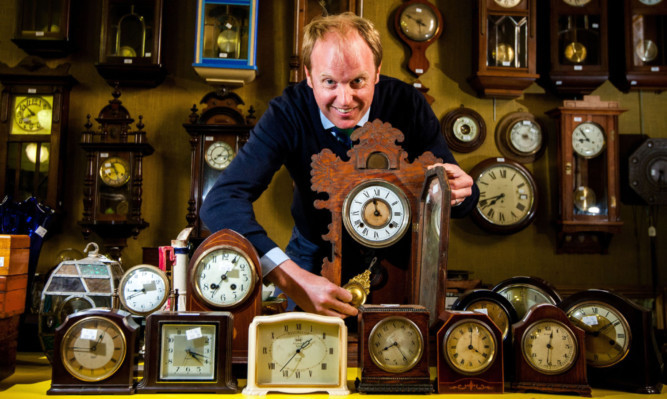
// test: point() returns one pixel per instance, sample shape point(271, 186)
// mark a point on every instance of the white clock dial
point(507, 3)
point(376, 213)
point(144, 289)
point(219, 155)
point(650, 2)
point(506, 195)
point(549, 347)
point(188, 352)
point(526, 137)
point(577, 3)
point(224, 277)
point(588, 140)
point(465, 129)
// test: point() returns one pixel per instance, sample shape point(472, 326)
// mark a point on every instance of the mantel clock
point(42, 27)
point(504, 47)
point(130, 43)
point(643, 63)
point(578, 54)
point(588, 174)
point(226, 41)
point(374, 200)
point(304, 12)
point(112, 193)
point(33, 130)
point(216, 136)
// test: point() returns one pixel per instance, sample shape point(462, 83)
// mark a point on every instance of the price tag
point(41, 231)
point(577, 119)
point(655, 69)
point(482, 310)
point(578, 68)
point(419, 70)
point(32, 90)
point(89, 334)
point(590, 320)
point(127, 61)
point(39, 33)
point(2, 261)
point(193, 333)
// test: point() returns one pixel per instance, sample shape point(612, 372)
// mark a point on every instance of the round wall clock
point(520, 136)
point(418, 23)
point(525, 292)
point(297, 352)
point(376, 213)
point(588, 140)
point(464, 129)
point(143, 289)
point(508, 196)
point(33, 114)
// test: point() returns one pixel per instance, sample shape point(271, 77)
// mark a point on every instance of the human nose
point(345, 94)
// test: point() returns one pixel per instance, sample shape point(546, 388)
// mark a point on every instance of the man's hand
point(313, 293)
point(459, 182)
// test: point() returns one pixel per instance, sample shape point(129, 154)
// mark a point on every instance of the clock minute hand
point(298, 350)
point(492, 200)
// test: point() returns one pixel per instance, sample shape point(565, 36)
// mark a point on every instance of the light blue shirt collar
point(327, 124)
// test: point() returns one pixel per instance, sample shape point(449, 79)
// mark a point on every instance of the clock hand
point(298, 350)
point(490, 201)
point(375, 204)
point(549, 348)
point(194, 355)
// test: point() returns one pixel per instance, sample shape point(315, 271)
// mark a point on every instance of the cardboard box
point(14, 254)
point(12, 295)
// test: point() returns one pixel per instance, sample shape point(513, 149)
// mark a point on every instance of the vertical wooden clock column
point(588, 174)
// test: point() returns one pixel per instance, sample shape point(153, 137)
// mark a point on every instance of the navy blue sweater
point(289, 133)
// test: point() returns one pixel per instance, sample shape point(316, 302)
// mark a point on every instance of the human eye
point(328, 82)
point(358, 83)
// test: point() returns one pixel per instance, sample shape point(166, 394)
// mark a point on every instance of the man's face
point(343, 77)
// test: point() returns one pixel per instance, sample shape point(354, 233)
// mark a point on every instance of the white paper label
point(417, 85)
point(193, 333)
point(577, 119)
point(482, 310)
point(148, 54)
point(507, 63)
point(41, 231)
point(127, 60)
point(89, 334)
point(32, 90)
point(222, 55)
point(209, 138)
point(595, 25)
point(104, 155)
point(655, 69)
point(2, 261)
point(419, 70)
point(590, 320)
point(559, 82)
point(633, 83)
point(39, 33)
point(578, 68)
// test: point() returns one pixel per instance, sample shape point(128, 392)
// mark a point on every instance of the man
point(343, 88)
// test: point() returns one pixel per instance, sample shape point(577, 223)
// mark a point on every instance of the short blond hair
point(341, 23)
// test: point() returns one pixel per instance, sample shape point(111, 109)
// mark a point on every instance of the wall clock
point(524, 292)
point(42, 28)
point(95, 353)
point(188, 352)
point(393, 349)
point(33, 126)
point(304, 12)
point(549, 353)
point(143, 289)
point(112, 193)
point(642, 64)
point(377, 168)
point(216, 136)
point(297, 352)
point(224, 274)
point(418, 23)
point(577, 44)
point(508, 196)
point(131, 43)
point(588, 174)
point(621, 351)
point(464, 129)
point(647, 169)
point(520, 137)
point(226, 42)
point(504, 47)
point(470, 354)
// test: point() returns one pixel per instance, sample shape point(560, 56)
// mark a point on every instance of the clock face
point(525, 296)
point(646, 50)
point(588, 140)
point(650, 2)
point(507, 196)
point(188, 352)
point(114, 171)
point(577, 3)
point(93, 348)
point(507, 3)
point(465, 129)
point(143, 289)
point(608, 334)
point(219, 155)
point(418, 22)
point(549, 347)
point(224, 276)
point(575, 52)
point(376, 213)
point(495, 312)
point(469, 346)
point(396, 344)
point(525, 137)
point(32, 115)
point(298, 351)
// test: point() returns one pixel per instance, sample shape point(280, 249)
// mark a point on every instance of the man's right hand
point(312, 293)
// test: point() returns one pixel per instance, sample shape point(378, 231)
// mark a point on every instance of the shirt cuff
point(271, 260)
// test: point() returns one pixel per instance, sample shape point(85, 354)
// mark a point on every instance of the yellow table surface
point(33, 378)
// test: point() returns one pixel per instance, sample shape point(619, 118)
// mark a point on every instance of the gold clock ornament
point(393, 349)
point(297, 352)
point(95, 352)
point(470, 354)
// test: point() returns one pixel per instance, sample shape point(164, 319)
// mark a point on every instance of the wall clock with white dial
point(520, 137)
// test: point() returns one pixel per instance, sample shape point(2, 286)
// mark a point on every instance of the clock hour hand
point(491, 201)
point(298, 350)
point(194, 355)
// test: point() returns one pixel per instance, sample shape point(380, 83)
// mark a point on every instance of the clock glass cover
point(469, 346)
point(525, 137)
point(225, 31)
point(508, 41)
point(396, 344)
point(219, 155)
point(418, 22)
point(188, 352)
point(579, 39)
point(589, 192)
point(525, 296)
point(32, 114)
point(549, 347)
point(114, 171)
point(143, 289)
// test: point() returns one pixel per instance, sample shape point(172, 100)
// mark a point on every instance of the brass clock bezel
point(432, 21)
point(105, 176)
point(126, 277)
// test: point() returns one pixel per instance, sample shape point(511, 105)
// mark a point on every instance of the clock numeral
point(503, 173)
point(272, 366)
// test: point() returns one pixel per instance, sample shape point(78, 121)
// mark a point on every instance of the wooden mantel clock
point(112, 193)
point(216, 136)
point(504, 47)
point(374, 200)
point(588, 174)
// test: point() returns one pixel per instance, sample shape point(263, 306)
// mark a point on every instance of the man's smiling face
point(343, 77)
